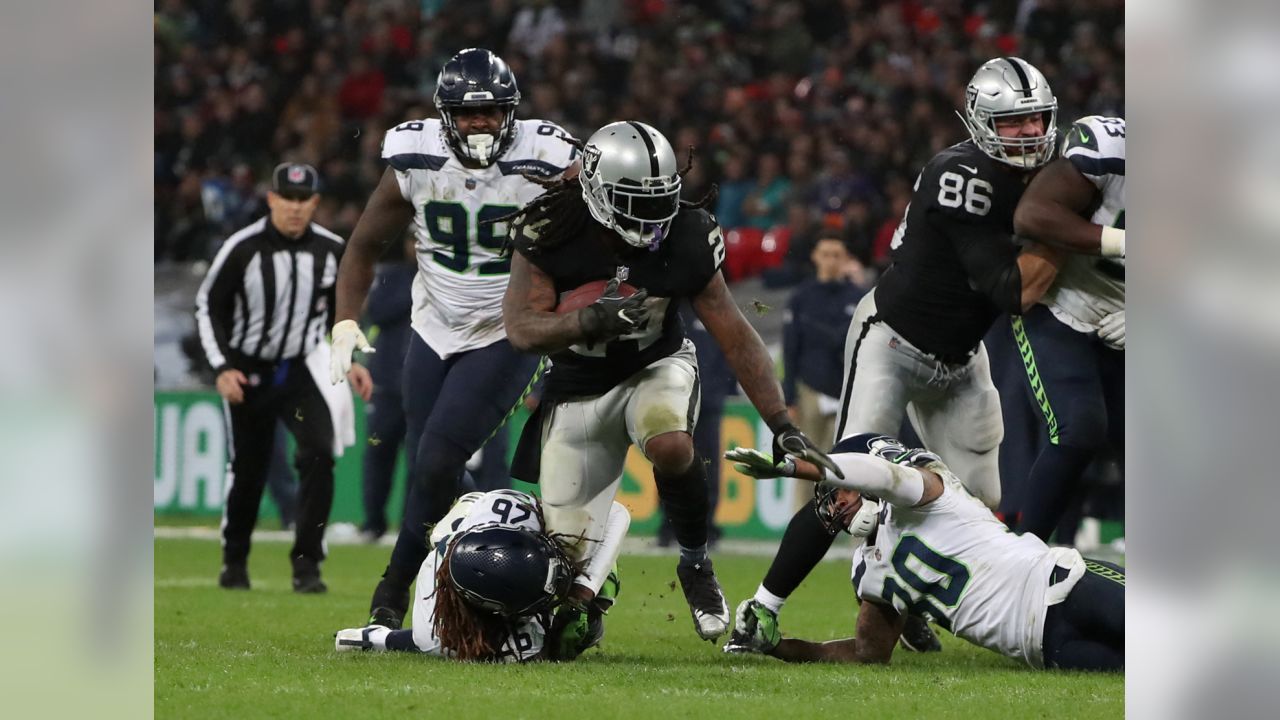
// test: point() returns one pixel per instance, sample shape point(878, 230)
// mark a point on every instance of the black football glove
point(613, 315)
point(790, 441)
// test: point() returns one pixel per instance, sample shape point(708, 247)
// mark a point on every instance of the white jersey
point(1089, 288)
point(953, 561)
point(457, 294)
point(508, 508)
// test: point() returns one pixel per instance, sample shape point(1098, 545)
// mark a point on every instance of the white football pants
point(954, 407)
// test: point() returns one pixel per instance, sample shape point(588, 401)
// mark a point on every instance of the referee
point(265, 305)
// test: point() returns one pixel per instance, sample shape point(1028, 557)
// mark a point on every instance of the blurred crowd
point(812, 116)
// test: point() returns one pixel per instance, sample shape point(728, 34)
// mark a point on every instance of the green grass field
point(269, 653)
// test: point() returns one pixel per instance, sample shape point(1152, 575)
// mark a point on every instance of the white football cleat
point(353, 639)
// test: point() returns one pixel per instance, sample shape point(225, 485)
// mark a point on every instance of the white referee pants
point(954, 407)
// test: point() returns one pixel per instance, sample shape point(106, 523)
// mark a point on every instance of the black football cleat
point(917, 636)
point(386, 617)
point(234, 577)
point(306, 577)
point(706, 600)
point(390, 603)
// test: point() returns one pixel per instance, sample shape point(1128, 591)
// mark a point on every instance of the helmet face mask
point(631, 182)
point(476, 78)
point(1010, 87)
point(512, 572)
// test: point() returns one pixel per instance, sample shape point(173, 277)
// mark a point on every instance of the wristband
point(1112, 242)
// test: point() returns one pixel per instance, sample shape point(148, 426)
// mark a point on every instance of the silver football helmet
point(1010, 86)
point(631, 182)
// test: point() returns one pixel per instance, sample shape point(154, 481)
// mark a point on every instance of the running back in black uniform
point(623, 373)
point(686, 260)
point(954, 257)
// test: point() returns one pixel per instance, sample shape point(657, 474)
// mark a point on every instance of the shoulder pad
point(963, 157)
point(1095, 145)
point(541, 149)
point(699, 236)
point(526, 231)
point(960, 182)
point(415, 145)
point(693, 220)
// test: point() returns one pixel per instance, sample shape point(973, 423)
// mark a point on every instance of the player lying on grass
point(488, 590)
point(932, 549)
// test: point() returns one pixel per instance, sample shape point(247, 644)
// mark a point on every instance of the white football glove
point(1111, 330)
point(347, 338)
point(756, 464)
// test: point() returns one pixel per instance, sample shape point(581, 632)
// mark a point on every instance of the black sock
point(1049, 487)
point(803, 546)
point(684, 501)
point(401, 640)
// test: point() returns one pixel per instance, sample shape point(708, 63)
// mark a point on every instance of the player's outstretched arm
point(878, 630)
point(1052, 209)
point(753, 367)
point(384, 218)
point(900, 485)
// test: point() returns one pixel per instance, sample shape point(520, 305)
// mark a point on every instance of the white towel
point(342, 408)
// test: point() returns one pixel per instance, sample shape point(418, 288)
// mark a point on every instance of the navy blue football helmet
point(513, 572)
point(827, 497)
point(476, 77)
point(887, 448)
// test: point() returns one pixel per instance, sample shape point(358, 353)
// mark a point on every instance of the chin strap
point(864, 521)
point(658, 234)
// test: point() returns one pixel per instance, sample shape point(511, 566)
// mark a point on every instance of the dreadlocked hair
point(564, 214)
point(461, 628)
point(472, 634)
point(708, 197)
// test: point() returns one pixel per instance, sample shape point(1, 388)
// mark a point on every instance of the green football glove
point(753, 463)
point(569, 632)
point(755, 629)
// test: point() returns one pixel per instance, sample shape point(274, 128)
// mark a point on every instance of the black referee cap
point(296, 181)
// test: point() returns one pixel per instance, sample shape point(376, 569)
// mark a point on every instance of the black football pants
point(287, 392)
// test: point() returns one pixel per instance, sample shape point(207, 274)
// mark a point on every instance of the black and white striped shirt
point(267, 297)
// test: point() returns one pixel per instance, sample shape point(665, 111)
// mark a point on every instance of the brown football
point(584, 295)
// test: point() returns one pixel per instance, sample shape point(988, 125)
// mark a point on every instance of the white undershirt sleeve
point(896, 484)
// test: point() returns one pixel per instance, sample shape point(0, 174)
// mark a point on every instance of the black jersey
point(685, 261)
point(954, 255)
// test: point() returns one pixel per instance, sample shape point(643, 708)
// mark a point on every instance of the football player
point(1072, 341)
point(915, 342)
point(447, 177)
point(623, 371)
point(932, 549)
point(487, 590)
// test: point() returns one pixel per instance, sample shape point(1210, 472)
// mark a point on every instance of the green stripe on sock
point(1033, 376)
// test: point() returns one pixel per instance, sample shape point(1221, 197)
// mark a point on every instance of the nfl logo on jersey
point(470, 183)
